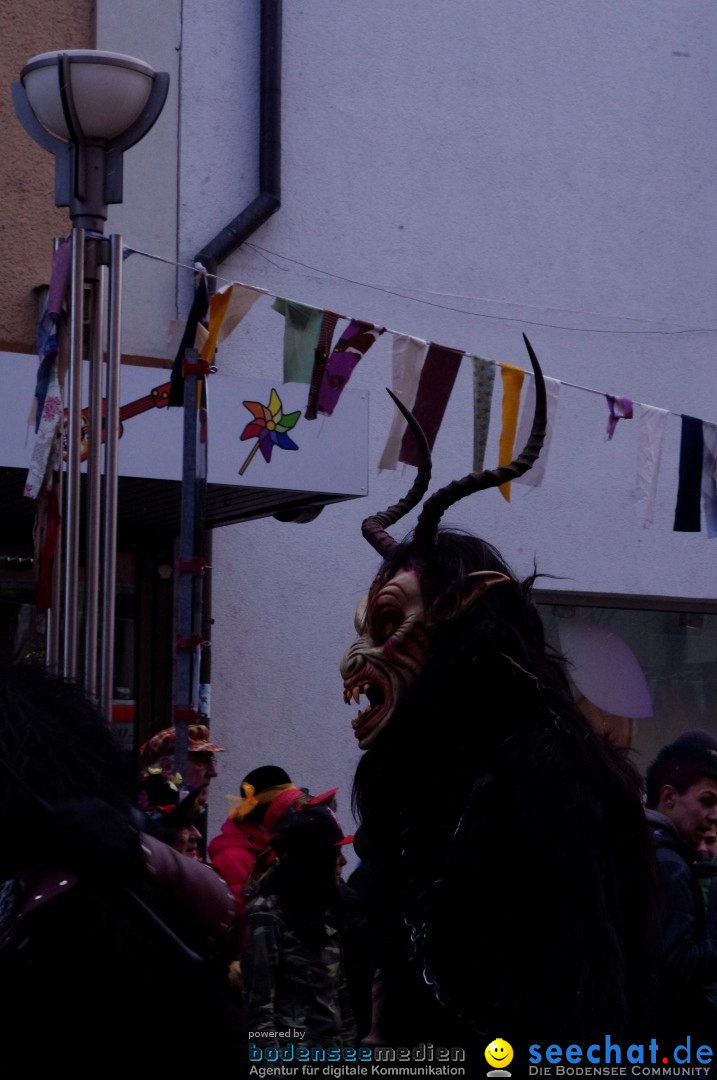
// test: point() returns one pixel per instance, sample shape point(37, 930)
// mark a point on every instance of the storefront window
point(675, 648)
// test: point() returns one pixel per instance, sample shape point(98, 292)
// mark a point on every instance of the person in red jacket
point(244, 836)
point(268, 795)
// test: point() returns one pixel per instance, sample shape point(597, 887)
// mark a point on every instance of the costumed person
point(242, 849)
point(294, 976)
point(201, 768)
point(171, 814)
point(92, 910)
point(472, 744)
point(682, 811)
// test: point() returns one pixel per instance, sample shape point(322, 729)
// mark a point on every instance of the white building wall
point(545, 167)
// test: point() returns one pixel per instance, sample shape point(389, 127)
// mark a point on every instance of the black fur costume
point(506, 859)
point(505, 844)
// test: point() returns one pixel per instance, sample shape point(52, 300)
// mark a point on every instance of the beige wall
point(28, 216)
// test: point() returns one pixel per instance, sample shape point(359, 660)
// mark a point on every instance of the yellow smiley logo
point(499, 1053)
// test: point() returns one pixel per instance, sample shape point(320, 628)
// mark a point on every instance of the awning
point(329, 464)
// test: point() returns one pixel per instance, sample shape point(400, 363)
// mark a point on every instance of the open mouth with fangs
point(368, 719)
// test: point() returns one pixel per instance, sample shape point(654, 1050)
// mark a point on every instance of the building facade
point(463, 174)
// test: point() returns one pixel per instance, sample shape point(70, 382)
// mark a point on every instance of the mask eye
point(385, 623)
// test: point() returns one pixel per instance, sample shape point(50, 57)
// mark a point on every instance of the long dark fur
point(506, 840)
point(54, 746)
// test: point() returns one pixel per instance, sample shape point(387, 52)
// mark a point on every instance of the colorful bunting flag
point(218, 305)
point(534, 477)
point(197, 312)
point(354, 343)
point(512, 383)
point(48, 389)
point(620, 409)
point(302, 327)
point(408, 356)
point(423, 377)
point(687, 510)
point(321, 359)
point(483, 383)
point(48, 520)
point(241, 300)
point(651, 424)
point(709, 478)
point(437, 379)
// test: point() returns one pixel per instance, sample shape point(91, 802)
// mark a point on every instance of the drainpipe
point(268, 201)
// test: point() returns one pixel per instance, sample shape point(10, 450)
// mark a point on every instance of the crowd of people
point(301, 940)
point(124, 938)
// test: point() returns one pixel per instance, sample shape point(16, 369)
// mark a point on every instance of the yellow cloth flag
point(217, 310)
point(512, 385)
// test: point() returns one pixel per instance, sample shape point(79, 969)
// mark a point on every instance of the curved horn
point(374, 527)
point(424, 537)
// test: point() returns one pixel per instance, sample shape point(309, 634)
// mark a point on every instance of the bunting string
point(426, 372)
point(197, 268)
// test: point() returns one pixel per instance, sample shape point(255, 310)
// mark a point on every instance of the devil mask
point(412, 596)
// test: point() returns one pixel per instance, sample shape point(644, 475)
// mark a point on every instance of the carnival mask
point(395, 621)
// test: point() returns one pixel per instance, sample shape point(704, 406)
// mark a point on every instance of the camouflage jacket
point(291, 986)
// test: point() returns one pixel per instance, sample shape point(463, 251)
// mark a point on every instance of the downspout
point(268, 201)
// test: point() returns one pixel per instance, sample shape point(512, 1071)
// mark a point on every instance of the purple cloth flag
point(47, 328)
point(620, 409)
point(321, 359)
point(356, 340)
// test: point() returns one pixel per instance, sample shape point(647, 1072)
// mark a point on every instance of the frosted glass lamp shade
point(107, 92)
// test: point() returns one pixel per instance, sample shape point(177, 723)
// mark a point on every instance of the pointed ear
point(481, 581)
point(452, 604)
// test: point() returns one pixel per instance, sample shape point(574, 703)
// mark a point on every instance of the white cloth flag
point(242, 301)
point(650, 435)
point(534, 477)
point(408, 356)
point(709, 486)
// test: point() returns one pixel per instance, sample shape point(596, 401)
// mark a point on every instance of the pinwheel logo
point(269, 428)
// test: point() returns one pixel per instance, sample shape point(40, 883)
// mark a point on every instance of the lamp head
point(87, 107)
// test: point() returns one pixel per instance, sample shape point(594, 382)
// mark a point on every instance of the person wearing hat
point(268, 796)
point(170, 814)
point(158, 752)
point(244, 836)
point(294, 971)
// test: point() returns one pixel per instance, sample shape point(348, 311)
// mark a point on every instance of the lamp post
point(87, 107)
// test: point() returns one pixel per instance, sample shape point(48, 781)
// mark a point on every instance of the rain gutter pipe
point(268, 201)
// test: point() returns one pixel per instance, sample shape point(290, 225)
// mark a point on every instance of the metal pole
point(109, 576)
point(184, 661)
point(93, 429)
point(52, 645)
point(72, 507)
point(52, 651)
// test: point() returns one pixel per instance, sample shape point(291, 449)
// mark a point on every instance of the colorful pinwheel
point(269, 427)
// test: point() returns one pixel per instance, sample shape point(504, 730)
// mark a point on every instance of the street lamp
point(87, 107)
